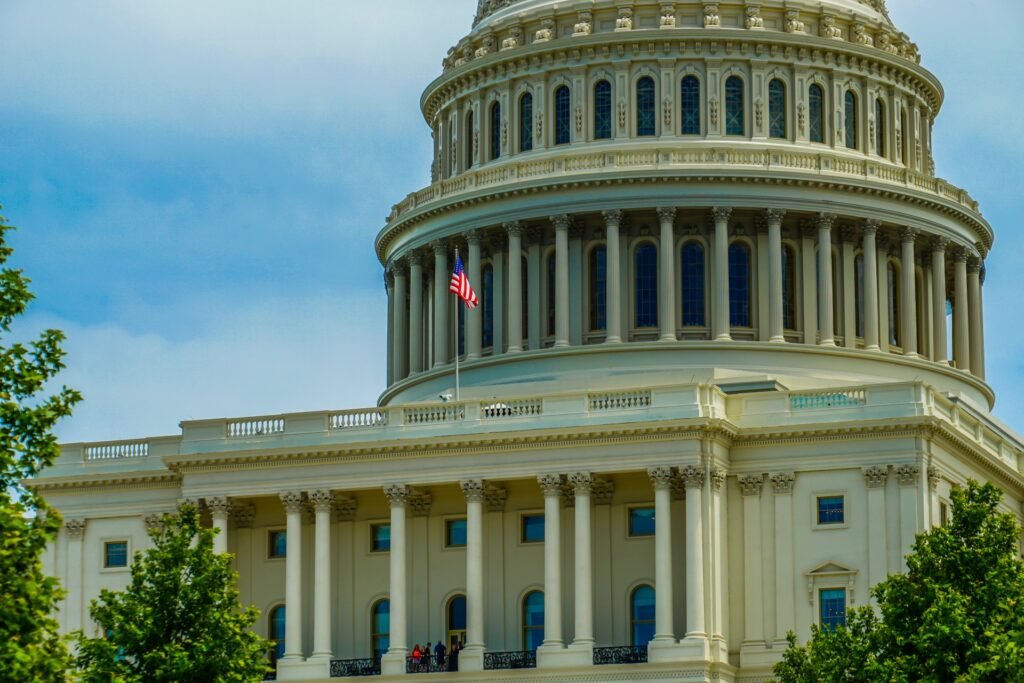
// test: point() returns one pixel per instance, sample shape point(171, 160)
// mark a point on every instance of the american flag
point(460, 285)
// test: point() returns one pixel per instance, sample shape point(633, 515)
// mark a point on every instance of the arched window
point(602, 110)
point(563, 126)
point(469, 140)
point(380, 627)
point(693, 284)
point(453, 153)
point(690, 110)
point(533, 620)
point(487, 306)
point(526, 123)
point(641, 615)
point(646, 301)
point(598, 289)
point(456, 620)
point(739, 285)
point(879, 128)
point(777, 109)
point(893, 280)
point(495, 130)
point(788, 288)
point(551, 293)
point(276, 624)
point(735, 114)
point(646, 117)
point(851, 120)
point(858, 266)
point(816, 112)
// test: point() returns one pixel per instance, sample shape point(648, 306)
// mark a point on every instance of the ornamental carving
point(540, 125)
point(513, 228)
point(219, 507)
point(661, 478)
point(601, 491)
point(692, 476)
point(717, 478)
point(515, 37)
point(504, 134)
point(750, 484)
point(321, 500)
point(397, 495)
point(754, 19)
point(713, 109)
point(292, 501)
point(885, 43)
point(486, 48)
point(876, 476)
point(579, 119)
point(801, 115)
point(622, 114)
point(473, 490)
point(830, 30)
point(625, 20)
point(75, 527)
point(793, 23)
point(759, 113)
point(720, 214)
point(495, 496)
point(583, 26)
point(907, 474)
point(419, 503)
point(550, 484)
point(345, 509)
point(934, 477)
point(582, 483)
point(546, 31)
point(860, 35)
point(612, 217)
point(783, 482)
point(667, 111)
point(155, 523)
point(668, 16)
point(712, 19)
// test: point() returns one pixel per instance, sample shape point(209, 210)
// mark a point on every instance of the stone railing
point(820, 400)
point(434, 413)
point(114, 450)
point(515, 408)
point(358, 419)
point(619, 400)
point(254, 426)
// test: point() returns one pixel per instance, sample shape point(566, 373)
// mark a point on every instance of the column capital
point(473, 237)
point(602, 490)
point(244, 515)
point(824, 221)
point(974, 264)
point(848, 234)
point(774, 216)
point(908, 234)
point(750, 484)
point(440, 248)
point(495, 496)
point(419, 503)
point(561, 221)
point(934, 477)
point(960, 254)
point(75, 527)
point(153, 522)
point(939, 244)
point(661, 478)
point(414, 258)
point(220, 506)
point(513, 228)
point(582, 482)
point(397, 495)
point(717, 478)
point(345, 509)
point(782, 482)
point(667, 214)
point(292, 501)
point(473, 489)
point(551, 484)
point(720, 213)
point(322, 500)
point(612, 216)
point(871, 226)
point(693, 477)
point(907, 474)
point(876, 476)
point(398, 268)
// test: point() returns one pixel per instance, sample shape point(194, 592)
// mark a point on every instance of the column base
point(873, 347)
point(560, 657)
point(562, 344)
point(613, 340)
point(668, 338)
point(719, 649)
point(777, 340)
point(724, 337)
point(827, 342)
point(303, 670)
point(696, 646)
point(471, 658)
point(664, 651)
point(472, 357)
point(393, 663)
point(759, 655)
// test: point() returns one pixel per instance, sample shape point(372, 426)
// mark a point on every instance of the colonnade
point(843, 269)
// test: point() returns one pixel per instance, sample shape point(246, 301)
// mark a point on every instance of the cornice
point(109, 480)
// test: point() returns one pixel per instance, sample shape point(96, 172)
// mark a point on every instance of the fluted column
point(613, 296)
point(753, 588)
point(661, 479)
point(870, 249)
point(974, 318)
point(473, 489)
point(561, 282)
point(693, 477)
point(515, 286)
point(220, 511)
point(74, 600)
point(474, 316)
point(323, 504)
point(293, 504)
point(584, 569)
point(826, 309)
point(666, 274)
point(394, 661)
point(415, 313)
point(785, 611)
point(961, 318)
point(442, 278)
point(400, 353)
point(908, 292)
point(939, 297)
point(775, 323)
point(720, 330)
point(876, 478)
point(551, 484)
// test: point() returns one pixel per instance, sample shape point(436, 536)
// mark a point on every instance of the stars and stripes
point(460, 284)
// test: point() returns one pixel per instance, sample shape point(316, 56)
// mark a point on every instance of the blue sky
point(197, 186)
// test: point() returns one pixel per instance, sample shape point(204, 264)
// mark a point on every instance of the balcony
point(510, 660)
point(620, 654)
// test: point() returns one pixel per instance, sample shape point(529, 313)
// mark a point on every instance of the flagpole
point(456, 298)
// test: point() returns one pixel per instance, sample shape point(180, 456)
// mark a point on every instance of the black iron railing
point(344, 668)
point(427, 665)
point(624, 654)
point(510, 660)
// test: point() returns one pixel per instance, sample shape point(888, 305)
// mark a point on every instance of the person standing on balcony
point(439, 653)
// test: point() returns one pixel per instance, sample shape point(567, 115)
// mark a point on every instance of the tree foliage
point(31, 648)
point(179, 620)
point(956, 615)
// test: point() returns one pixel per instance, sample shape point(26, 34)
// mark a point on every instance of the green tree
point(31, 648)
point(179, 620)
point(956, 615)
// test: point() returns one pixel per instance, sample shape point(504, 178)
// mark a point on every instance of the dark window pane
point(380, 537)
point(457, 613)
point(380, 631)
point(788, 289)
point(690, 112)
point(487, 304)
point(563, 126)
point(693, 284)
point(277, 630)
point(602, 110)
point(777, 109)
point(533, 528)
point(739, 285)
point(551, 293)
point(851, 120)
point(642, 614)
point(879, 128)
point(833, 608)
point(455, 533)
point(598, 289)
point(641, 522)
point(816, 113)
point(831, 510)
point(533, 620)
point(115, 554)
point(526, 123)
point(469, 140)
point(894, 304)
point(495, 130)
point(646, 286)
point(645, 109)
point(278, 544)
point(735, 114)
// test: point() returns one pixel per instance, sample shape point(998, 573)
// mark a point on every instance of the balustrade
point(119, 449)
point(510, 660)
point(346, 668)
point(622, 654)
point(255, 426)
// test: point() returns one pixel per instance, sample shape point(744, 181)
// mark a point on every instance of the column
point(870, 251)
point(389, 289)
point(533, 280)
point(515, 286)
point(753, 632)
point(667, 274)
point(908, 292)
point(718, 548)
point(908, 476)
point(474, 316)
point(961, 320)
point(293, 504)
point(785, 598)
point(473, 489)
point(415, 313)
point(939, 297)
point(561, 282)
point(875, 478)
point(720, 302)
point(613, 298)
point(220, 510)
point(775, 324)
point(664, 631)
point(75, 600)
point(693, 477)
point(584, 570)
point(849, 325)
point(442, 278)
point(394, 661)
point(552, 487)
point(975, 322)
point(323, 505)
point(400, 353)
point(826, 311)
point(500, 307)
point(809, 281)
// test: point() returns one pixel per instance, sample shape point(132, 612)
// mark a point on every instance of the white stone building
point(729, 360)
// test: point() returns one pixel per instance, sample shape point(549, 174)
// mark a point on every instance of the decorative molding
point(750, 484)
point(75, 528)
point(661, 477)
point(782, 482)
point(219, 507)
point(397, 495)
point(474, 490)
point(345, 508)
point(419, 503)
point(582, 483)
point(601, 491)
point(321, 500)
point(153, 522)
point(876, 476)
point(934, 477)
point(550, 484)
point(718, 477)
point(908, 474)
point(292, 501)
point(692, 476)
point(244, 515)
point(495, 497)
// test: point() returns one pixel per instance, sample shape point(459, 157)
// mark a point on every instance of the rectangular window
point(277, 544)
point(455, 533)
point(833, 607)
point(641, 521)
point(115, 554)
point(380, 538)
point(943, 513)
point(532, 529)
point(831, 510)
